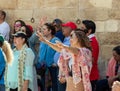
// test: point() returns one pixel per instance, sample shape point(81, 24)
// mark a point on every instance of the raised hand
point(41, 37)
point(41, 23)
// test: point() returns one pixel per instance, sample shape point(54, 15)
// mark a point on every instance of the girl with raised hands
point(75, 62)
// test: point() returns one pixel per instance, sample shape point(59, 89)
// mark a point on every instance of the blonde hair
point(8, 53)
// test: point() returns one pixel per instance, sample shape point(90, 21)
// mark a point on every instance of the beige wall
point(106, 14)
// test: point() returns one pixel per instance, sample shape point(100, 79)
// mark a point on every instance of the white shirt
point(5, 30)
point(90, 36)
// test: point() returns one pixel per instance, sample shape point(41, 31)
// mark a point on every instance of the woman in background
point(112, 73)
point(46, 57)
point(17, 25)
point(26, 29)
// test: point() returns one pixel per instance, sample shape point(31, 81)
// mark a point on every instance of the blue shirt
point(46, 53)
point(2, 66)
point(66, 41)
point(60, 35)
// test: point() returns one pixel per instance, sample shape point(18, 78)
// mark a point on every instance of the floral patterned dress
point(81, 67)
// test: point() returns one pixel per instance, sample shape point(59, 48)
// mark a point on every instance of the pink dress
point(81, 67)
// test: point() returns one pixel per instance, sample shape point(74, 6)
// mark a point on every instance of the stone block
point(10, 17)
point(109, 38)
point(106, 51)
point(111, 25)
point(101, 3)
point(8, 4)
point(85, 4)
point(30, 4)
point(50, 13)
point(119, 27)
point(25, 15)
point(116, 4)
point(102, 65)
point(114, 14)
point(40, 3)
point(98, 14)
point(104, 57)
point(81, 14)
point(70, 13)
point(61, 3)
point(100, 26)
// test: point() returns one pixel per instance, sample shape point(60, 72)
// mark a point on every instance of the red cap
point(70, 24)
point(30, 27)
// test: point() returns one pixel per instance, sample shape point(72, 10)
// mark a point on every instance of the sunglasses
point(22, 30)
point(17, 25)
point(71, 35)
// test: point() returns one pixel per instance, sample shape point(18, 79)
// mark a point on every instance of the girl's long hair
point(8, 53)
point(83, 39)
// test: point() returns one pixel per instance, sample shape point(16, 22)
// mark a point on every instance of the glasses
point(17, 25)
point(22, 30)
point(71, 35)
point(55, 25)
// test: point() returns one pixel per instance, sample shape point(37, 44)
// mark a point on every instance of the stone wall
point(104, 12)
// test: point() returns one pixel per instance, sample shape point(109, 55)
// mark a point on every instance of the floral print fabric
point(81, 66)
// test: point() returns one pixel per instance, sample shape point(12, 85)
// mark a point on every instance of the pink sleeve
point(111, 68)
point(63, 62)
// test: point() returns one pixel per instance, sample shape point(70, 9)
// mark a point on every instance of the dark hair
point(22, 23)
point(82, 39)
point(78, 29)
point(89, 25)
point(28, 32)
point(117, 49)
point(1, 43)
point(57, 23)
point(50, 27)
point(3, 13)
point(26, 40)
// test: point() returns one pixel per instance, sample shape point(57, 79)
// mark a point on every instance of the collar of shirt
point(90, 36)
point(66, 39)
